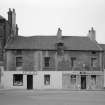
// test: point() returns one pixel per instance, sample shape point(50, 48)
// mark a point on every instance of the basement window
point(46, 79)
point(18, 80)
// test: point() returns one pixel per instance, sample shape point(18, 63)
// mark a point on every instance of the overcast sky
point(43, 17)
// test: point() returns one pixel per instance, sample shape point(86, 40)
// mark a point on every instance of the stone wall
point(34, 60)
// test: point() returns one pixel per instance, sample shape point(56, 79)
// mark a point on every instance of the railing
point(76, 68)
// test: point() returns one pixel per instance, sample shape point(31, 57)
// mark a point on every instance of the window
point(47, 61)
point(18, 80)
point(18, 52)
point(93, 62)
point(19, 61)
point(46, 79)
point(73, 59)
point(73, 79)
point(93, 77)
point(93, 52)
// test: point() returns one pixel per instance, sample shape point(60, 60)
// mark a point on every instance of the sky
point(44, 17)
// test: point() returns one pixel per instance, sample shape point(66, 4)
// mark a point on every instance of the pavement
point(51, 97)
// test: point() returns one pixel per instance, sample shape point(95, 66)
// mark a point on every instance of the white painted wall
point(55, 80)
point(7, 80)
point(38, 80)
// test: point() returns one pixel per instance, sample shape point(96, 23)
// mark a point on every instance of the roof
point(49, 43)
point(1, 17)
point(102, 46)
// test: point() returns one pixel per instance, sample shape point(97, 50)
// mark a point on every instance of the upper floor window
point(60, 48)
point(93, 52)
point(73, 59)
point(93, 62)
point(47, 61)
point(18, 52)
point(19, 61)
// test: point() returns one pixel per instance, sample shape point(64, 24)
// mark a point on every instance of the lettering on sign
point(30, 72)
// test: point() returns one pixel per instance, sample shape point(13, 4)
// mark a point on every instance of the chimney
point(59, 33)
point(17, 29)
point(10, 17)
point(92, 34)
point(12, 21)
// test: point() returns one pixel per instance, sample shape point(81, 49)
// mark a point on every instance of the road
point(47, 97)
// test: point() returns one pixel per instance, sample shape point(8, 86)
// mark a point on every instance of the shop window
point(73, 59)
point(47, 61)
point(93, 77)
point(46, 79)
point(18, 80)
point(73, 79)
point(19, 61)
point(93, 62)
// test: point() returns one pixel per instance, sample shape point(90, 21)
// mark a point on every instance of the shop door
point(83, 81)
point(29, 81)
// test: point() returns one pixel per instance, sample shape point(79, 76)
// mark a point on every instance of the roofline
point(55, 50)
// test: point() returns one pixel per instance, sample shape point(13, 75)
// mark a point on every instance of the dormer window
point(60, 48)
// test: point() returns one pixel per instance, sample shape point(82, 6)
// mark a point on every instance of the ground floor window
point(18, 80)
point(93, 77)
point(73, 79)
point(46, 79)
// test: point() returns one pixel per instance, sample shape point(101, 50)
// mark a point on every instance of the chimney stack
point(59, 33)
point(12, 21)
point(10, 17)
point(92, 34)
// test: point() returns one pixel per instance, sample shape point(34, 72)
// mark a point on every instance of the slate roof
point(102, 46)
point(49, 43)
point(1, 17)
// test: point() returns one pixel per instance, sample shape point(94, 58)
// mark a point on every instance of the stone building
point(8, 29)
point(54, 62)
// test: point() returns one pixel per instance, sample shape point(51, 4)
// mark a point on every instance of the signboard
point(30, 72)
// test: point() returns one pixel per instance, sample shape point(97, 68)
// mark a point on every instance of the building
point(54, 62)
point(8, 29)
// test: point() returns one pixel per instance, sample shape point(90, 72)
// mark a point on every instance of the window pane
point(18, 80)
point(47, 61)
point(19, 61)
point(47, 79)
point(73, 79)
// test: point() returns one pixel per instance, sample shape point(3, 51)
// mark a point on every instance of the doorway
point(29, 81)
point(83, 81)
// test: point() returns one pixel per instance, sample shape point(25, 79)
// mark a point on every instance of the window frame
point(19, 61)
point(46, 61)
point(47, 78)
point(15, 83)
point(73, 59)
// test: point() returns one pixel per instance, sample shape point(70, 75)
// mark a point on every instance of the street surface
point(51, 97)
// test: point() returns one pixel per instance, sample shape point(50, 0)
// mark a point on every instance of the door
point(83, 81)
point(29, 81)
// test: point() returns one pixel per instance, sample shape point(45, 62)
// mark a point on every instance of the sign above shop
point(30, 72)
